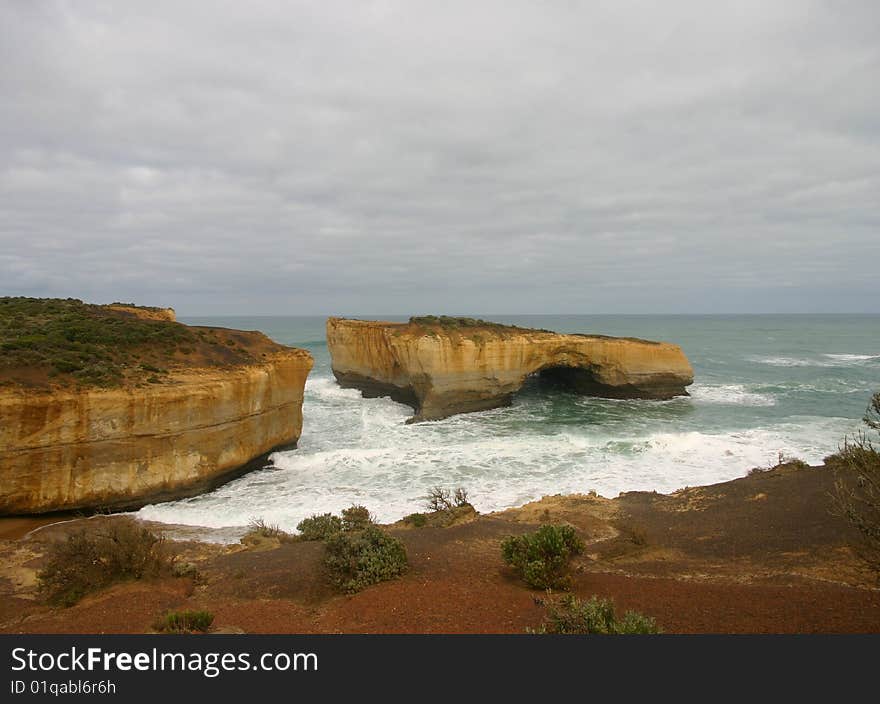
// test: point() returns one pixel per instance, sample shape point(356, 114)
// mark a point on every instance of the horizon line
point(484, 315)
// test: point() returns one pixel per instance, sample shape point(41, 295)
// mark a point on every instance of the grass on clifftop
point(452, 323)
point(45, 341)
point(448, 322)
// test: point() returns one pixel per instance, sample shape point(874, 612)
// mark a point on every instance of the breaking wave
point(366, 454)
point(736, 394)
point(764, 386)
point(829, 360)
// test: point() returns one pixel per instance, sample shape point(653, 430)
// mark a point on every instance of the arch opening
point(578, 380)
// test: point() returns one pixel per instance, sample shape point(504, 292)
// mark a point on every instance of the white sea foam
point(356, 450)
point(788, 361)
point(829, 360)
point(855, 358)
point(734, 394)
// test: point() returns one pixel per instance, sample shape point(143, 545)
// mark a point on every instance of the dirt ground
point(761, 554)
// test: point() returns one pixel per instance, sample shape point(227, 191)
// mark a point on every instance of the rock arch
point(441, 369)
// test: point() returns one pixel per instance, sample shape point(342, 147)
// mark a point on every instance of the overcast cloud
point(450, 157)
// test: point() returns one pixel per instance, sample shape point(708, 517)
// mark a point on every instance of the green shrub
point(570, 615)
point(94, 558)
point(541, 558)
point(356, 518)
point(857, 489)
point(187, 569)
point(856, 494)
point(319, 527)
point(872, 414)
point(184, 621)
point(418, 520)
point(361, 558)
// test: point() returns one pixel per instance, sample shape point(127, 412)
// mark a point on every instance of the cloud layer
point(456, 157)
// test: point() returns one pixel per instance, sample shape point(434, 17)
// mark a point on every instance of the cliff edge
point(145, 312)
point(101, 408)
point(445, 366)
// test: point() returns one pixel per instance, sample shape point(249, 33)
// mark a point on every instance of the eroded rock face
point(119, 448)
point(441, 371)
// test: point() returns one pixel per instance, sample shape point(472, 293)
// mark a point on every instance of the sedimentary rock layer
point(443, 370)
point(93, 448)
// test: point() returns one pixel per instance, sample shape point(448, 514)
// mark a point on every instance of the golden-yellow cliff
point(64, 449)
point(441, 370)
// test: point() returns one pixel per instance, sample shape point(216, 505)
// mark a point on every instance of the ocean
point(764, 385)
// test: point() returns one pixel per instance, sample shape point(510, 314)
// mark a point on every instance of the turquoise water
point(764, 385)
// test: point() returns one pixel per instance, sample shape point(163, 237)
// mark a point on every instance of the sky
point(442, 157)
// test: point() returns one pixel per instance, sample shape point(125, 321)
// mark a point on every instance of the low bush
point(541, 558)
point(184, 621)
point(417, 520)
point(94, 558)
point(856, 494)
point(782, 460)
point(360, 558)
point(188, 570)
point(322, 527)
point(571, 615)
point(440, 499)
point(257, 526)
point(319, 527)
point(356, 518)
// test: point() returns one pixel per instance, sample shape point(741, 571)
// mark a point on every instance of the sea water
point(764, 385)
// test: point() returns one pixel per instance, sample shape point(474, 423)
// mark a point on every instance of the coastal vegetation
point(857, 491)
point(570, 615)
point(754, 538)
point(449, 322)
point(325, 526)
point(259, 528)
point(357, 552)
point(443, 508)
point(187, 621)
point(357, 559)
point(356, 518)
point(93, 558)
point(541, 558)
point(319, 527)
point(46, 341)
point(416, 520)
point(441, 499)
point(782, 460)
